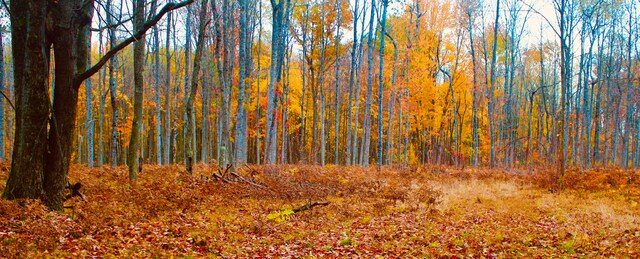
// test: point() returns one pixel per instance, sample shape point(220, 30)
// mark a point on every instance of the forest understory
point(270, 211)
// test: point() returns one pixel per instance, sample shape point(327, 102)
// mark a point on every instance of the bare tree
point(133, 158)
point(189, 123)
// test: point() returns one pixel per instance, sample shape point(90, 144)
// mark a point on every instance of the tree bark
point(138, 97)
point(385, 4)
point(194, 82)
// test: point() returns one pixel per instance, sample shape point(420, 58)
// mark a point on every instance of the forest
point(304, 128)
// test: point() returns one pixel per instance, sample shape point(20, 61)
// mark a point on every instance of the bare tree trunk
point(156, 71)
point(102, 97)
point(336, 141)
point(352, 72)
point(258, 109)
point(492, 86)
point(194, 83)
point(187, 63)
point(320, 86)
point(2, 118)
point(476, 140)
point(280, 17)
point(113, 159)
point(167, 96)
point(138, 99)
point(90, 128)
point(385, 4)
point(392, 101)
point(26, 175)
point(366, 137)
point(241, 113)
point(626, 143)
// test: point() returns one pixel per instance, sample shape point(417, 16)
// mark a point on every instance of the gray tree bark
point(190, 122)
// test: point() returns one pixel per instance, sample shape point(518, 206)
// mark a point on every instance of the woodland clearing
point(418, 212)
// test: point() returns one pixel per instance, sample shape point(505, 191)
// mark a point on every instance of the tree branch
point(145, 27)
point(8, 100)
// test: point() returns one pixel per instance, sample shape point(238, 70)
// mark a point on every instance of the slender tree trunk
point(259, 107)
point(626, 143)
point(187, 63)
point(280, 16)
point(392, 102)
point(336, 123)
point(156, 71)
point(102, 97)
point(133, 156)
point(320, 86)
point(167, 96)
point(189, 123)
point(90, 128)
point(476, 139)
point(366, 137)
point(113, 160)
point(383, 25)
point(241, 113)
point(2, 116)
point(352, 72)
point(492, 86)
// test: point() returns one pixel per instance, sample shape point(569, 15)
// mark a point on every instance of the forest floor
point(419, 212)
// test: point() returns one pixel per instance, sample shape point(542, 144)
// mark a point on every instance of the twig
point(309, 206)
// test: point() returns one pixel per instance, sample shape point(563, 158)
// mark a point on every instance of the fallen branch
point(247, 181)
point(309, 206)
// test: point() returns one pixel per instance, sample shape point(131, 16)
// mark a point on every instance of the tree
point(241, 113)
point(2, 113)
point(189, 123)
point(385, 4)
point(138, 81)
point(167, 96)
point(90, 128)
point(41, 158)
point(280, 14)
point(366, 137)
point(113, 158)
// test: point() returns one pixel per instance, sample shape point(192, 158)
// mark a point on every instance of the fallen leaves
point(368, 214)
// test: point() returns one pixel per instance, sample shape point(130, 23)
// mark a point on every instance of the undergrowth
point(419, 211)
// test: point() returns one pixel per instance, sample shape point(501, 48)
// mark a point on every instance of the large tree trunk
point(40, 165)
point(31, 70)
